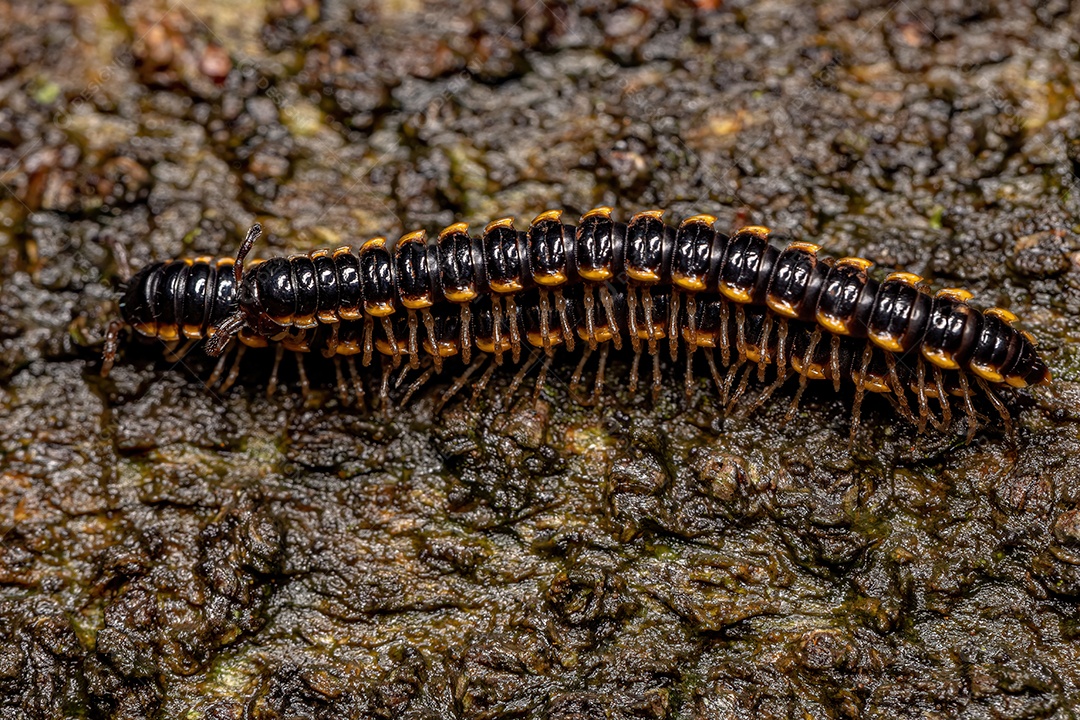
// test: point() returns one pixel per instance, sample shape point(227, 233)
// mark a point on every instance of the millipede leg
point(219, 368)
point(496, 327)
point(515, 334)
point(725, 338)
point(999, 406)
point(864, 364)
point(834, 362)
point(369, 329)
point(710, 357)
point(898, 389)
point(466, 340)
point(782, 376)
point(170, 346)
point(655, 376)
point(860, 390)
point(575, 379)
point(920, 392)
point(414, 350)
point(691, 318)
point(590, 321)
point(391, 338)
point(943, 401)
point(609, 310)
point(519, 376)
point(781, 344)
point(631, 317)
point(541, 378)
point(568, 332)
point(688, 380)
point(598, 385)
point(545, 324)
point(691, 338)
point(112, 343)
point(332, 344)
point(634, 367)
point(404, 373)
point(856, 410)
point(729, 380)
point(740, 332)
point(795, 401)
point(482, 384)
point(650, 328)
point(234, 371)
point(339, 376)
point(808, 357)
point(384, 388)
point(673, 325)
point(416, 385)
point(763, 347)
point(357, 384)
point(305, 386)
point(271, 386)
point(972, 416)
point(461, 380)
point(429, 325)
point(743, 382)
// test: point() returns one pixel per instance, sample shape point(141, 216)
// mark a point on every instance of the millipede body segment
point(178, 300)
point(896, 314)
point(599, 283)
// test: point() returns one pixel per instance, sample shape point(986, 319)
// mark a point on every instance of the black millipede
point(389, 298)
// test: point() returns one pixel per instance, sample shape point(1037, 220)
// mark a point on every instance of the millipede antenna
point(245, 247)
point(223, 333)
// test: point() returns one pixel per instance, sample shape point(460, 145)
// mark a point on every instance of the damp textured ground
point(169, 552)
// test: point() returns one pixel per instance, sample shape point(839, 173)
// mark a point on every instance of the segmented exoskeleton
point(698, 288)
point(176, 300)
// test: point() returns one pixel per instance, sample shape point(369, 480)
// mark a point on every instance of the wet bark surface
point(171, 551)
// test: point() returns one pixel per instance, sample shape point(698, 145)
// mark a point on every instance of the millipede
point(554, 285)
